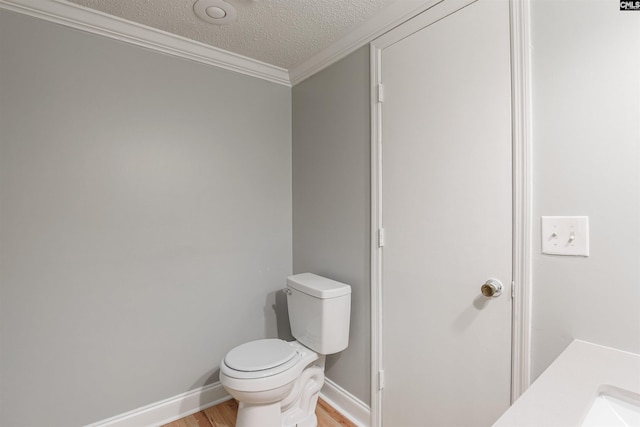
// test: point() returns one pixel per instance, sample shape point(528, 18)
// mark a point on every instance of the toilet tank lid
point(318, 286)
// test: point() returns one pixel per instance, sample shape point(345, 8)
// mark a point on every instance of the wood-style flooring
point(224, 415)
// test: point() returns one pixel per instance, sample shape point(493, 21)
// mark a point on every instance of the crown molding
point(75, 16)
point(85, 19)
point(387, 19)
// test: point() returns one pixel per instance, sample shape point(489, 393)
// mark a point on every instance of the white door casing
point(441, 158)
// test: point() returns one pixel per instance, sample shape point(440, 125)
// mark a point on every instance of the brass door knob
point(492, 288)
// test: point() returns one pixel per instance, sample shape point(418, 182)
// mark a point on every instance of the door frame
point(519, 12)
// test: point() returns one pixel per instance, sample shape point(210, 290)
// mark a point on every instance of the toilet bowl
point(260, 367)
point(277, 383)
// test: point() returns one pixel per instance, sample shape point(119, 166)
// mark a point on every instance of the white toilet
point(277, 382)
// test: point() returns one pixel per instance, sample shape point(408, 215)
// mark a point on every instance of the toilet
point(276, 382)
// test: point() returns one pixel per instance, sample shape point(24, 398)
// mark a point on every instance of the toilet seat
point(261, 358)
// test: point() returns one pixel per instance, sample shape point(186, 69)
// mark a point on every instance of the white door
point(446, 210)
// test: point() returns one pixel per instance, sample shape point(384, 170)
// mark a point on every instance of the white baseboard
point(347, 404)
point(171, 409)
point(174, 408)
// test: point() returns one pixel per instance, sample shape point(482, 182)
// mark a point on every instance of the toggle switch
point(565, 235)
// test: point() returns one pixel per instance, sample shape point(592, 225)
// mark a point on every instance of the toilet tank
point(319, 312)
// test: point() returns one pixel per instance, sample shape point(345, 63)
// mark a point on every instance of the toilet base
point(252, 415)
point(301, 412)
point(299, 418)
point(297, 409)
point(310, 421)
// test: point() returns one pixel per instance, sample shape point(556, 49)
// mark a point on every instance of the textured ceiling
point(279, 32)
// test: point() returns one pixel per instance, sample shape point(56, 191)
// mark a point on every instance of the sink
point(588, 385)
point(614, 407)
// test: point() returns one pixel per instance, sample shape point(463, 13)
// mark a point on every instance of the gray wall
point(331, 201)
point(586, 115)
point(145, 221)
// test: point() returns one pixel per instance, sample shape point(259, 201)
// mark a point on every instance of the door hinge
point(380, 237)
point(513, 290)
point(380, 92)
point(380, 380)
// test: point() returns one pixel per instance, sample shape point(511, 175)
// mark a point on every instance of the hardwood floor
point(224, 415)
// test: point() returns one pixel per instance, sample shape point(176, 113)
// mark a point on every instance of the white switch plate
point(565, 235)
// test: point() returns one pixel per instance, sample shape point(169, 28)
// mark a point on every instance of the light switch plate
point(565, 235)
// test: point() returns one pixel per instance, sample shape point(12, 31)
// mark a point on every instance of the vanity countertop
point(563, 394)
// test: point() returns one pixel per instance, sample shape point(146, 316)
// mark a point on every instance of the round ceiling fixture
point(215, 11)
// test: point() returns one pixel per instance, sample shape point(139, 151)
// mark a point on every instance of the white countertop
point(563, 394)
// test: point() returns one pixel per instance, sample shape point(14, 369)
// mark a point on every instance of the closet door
point(446, 209)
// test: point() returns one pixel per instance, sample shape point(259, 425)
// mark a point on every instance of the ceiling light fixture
point(215, 11)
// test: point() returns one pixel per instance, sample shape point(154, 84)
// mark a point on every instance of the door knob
point(492, 288)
